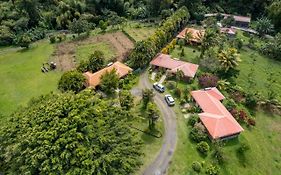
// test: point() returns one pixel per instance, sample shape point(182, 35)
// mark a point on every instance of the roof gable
point(216, 118)
point(166, 61)
point(93, 79)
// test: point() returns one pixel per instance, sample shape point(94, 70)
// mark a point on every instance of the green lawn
point(83, 52)
point(152, 145)
point(21, 77)
point(264, 156)
point(191, 54)
point(261, 67)
point(141, 33)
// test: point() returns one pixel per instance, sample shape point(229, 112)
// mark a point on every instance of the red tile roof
point(165, 61)
point(196, 35)
point(216, 118)
point(228, 31)
point(93, 79)
point(236, 18)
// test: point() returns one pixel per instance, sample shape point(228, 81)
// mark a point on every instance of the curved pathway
point(161, 163)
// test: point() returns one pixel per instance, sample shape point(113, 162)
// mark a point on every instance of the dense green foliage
point(126, 99)
point(109, 81)
point(71, 81)
point(93, 64)
point(69, 134)
point(273, 48)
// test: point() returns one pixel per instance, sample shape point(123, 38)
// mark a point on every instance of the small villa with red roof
point(218, 121)
point(172, 65)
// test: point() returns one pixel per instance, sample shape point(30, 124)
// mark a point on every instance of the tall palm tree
point(229, 59)
point(210, 39)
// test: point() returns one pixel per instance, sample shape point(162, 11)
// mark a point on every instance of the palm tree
point(188, 36)
point(264, 26)
point(210, 38)
point(223, 84)
point(229, 59)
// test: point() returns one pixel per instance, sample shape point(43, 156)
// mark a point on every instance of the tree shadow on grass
point(149, 136)
point(242, 158)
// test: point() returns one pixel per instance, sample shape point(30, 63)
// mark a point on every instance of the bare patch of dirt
point(64, 54)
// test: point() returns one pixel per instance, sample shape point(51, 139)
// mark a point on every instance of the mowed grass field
point(21, 77)
point(264, 156)
point(262, 67)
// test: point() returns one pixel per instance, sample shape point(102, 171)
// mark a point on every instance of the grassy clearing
point(265, 150)
point(22, 78)
point(83, 52)
point(191, 54)
point(261, 67)
point(139, 33)
point(152, 145)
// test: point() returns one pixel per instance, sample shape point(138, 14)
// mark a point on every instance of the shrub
point(198, 134)
point(52, 38)
point(212, 170)
point(196, 166)
point(203, 147)
point(193, 119)
point(251, 101)
point(208, 80)
point(229, 103)
point(243, 148)
point(171, 85)
point(251, 122)
point(71, 81)
point(219, 154)
point(243, 116)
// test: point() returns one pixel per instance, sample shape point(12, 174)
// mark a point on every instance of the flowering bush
point(208, 80)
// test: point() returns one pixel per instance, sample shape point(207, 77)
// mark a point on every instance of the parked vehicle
point(159, 87)
point(170, 100)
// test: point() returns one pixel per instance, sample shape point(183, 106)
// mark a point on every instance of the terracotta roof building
point(195, 34)
point(167, 62)
point(240, 21)
point(93, 79)
point(215, 117)
point(228, 31)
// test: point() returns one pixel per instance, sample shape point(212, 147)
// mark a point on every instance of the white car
point(159, 87)
point(170, 100)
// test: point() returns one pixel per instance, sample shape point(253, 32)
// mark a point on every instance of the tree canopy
point(69, 134)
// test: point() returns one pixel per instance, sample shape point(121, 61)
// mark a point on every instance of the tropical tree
point(24, 40)
point(229, 59)
point(179, 76)
point(93, 64)
point(274, 13)
point(71, 81)
point(147, 96)
point(223, 85)
point(69, 134)
point(264, 26)
point(126, 99)
point(152, 114)
point(96, 61)
point(109, 82)
point(210, 39)
point(103, 25)
point(79, 26)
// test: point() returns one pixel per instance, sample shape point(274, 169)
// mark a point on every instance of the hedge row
point(145, 50)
